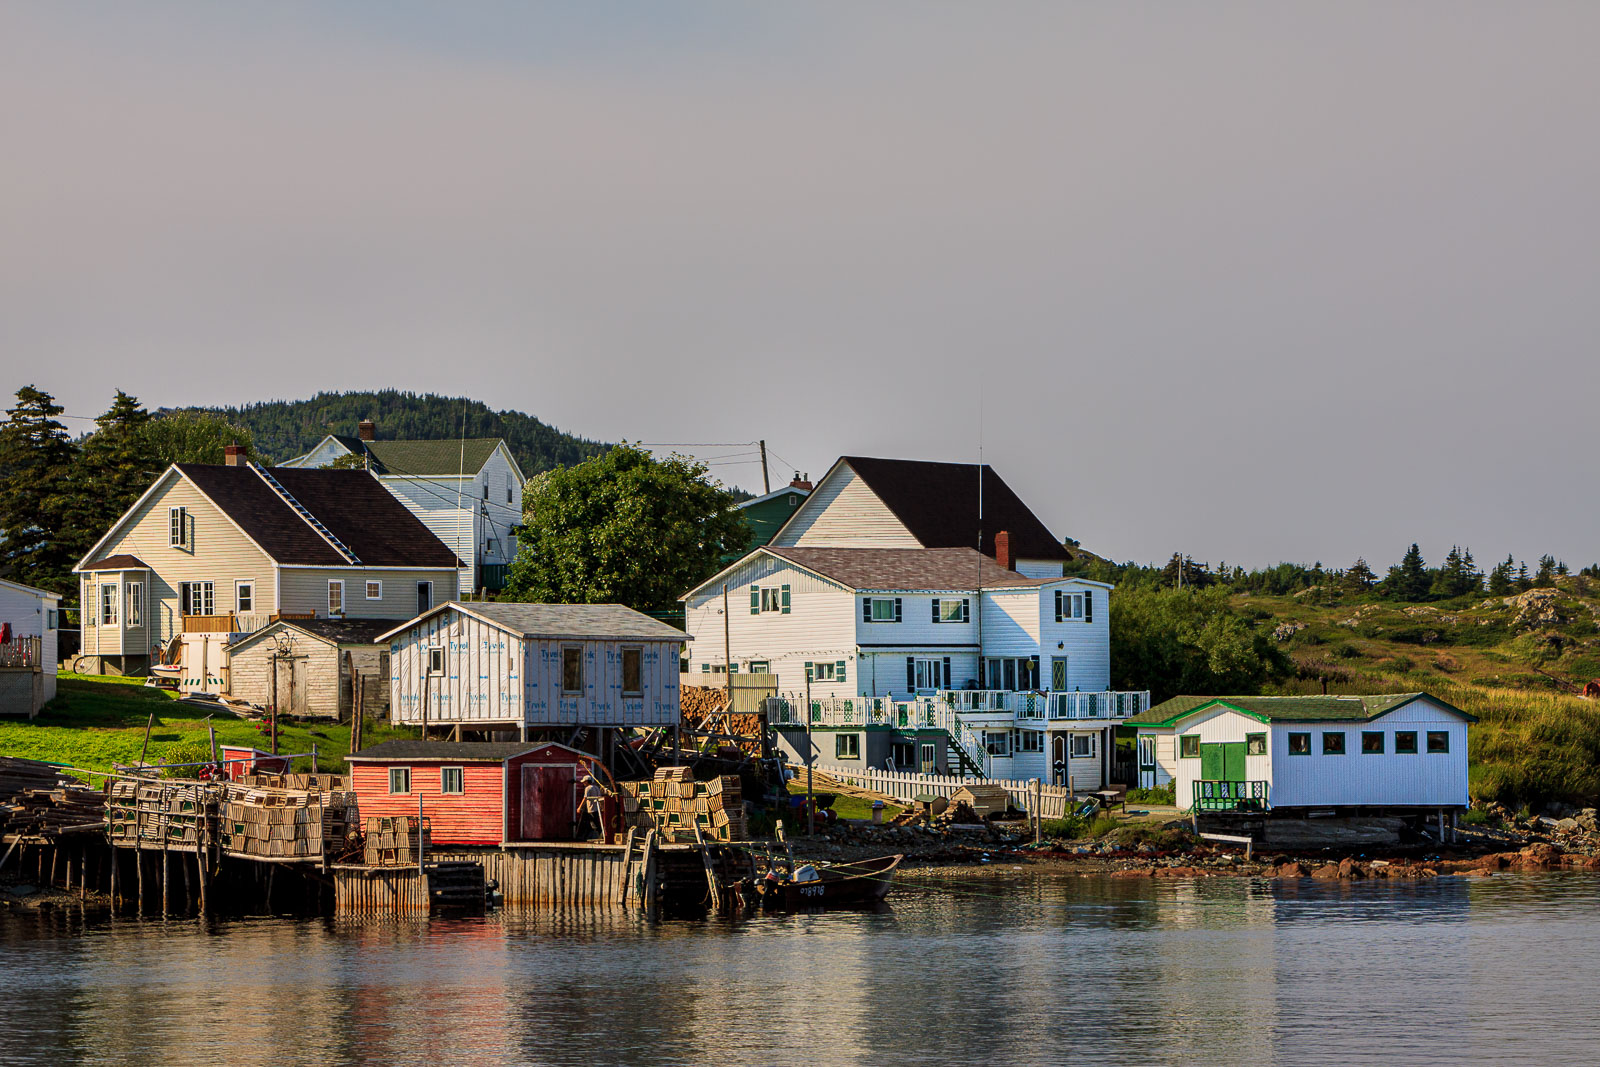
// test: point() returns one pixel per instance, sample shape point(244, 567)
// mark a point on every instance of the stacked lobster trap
point(673, 803)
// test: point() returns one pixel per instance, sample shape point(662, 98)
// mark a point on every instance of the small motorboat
point(839, 885)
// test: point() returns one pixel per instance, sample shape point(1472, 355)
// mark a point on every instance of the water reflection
point(1046, 970)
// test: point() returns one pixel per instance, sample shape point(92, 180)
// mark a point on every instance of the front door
point(1147, 761)
point(549, 802)
point(929, 759)
point(1058, 759)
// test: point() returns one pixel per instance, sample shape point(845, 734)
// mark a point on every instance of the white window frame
point(486, 489)
point(638, 653)
point(1083, 741)
point(133, 604)
point(1030, 740)
point(759, 666)
point(335, 583)
point(881, 609)
point(178, 527)
point(244, 597)
point(374, 582)
point(400, 776)
point(436, 660)
point(444, 781)
point(997, 742)
point(508, 489)
point(771, 598)
point(193, 595)
point(825, 671)
point(565, 691)
point(928, 669)
point(110, 603)
point(846, 741)
point(961, 613)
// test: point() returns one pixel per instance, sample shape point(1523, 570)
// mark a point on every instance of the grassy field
point(844, 806)
point(1518, 667)
point(97, 721)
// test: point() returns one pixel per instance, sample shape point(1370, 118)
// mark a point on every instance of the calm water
point(1055, 970)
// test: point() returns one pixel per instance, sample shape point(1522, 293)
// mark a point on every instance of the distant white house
point(27, 614)
point(1348, 754)
point(468, 492)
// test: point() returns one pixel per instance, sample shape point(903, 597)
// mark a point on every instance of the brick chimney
point(1002, 549)
point(801, 483)
point(367, 431)
point(233, 456)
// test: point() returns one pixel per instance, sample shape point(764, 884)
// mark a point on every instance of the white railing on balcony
point(1038, 707)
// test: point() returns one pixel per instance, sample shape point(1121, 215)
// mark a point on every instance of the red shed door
point(549, 802)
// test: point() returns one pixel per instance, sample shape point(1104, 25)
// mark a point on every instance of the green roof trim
point(1289, 709)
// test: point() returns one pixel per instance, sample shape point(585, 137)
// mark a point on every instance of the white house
point(864, 502)
point(468, 492)
point(1287, 755)
point(497, 666)
point(936, 658)
point(225, 549)
point(29, 621)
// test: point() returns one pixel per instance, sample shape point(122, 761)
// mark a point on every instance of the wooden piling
point(166, 877)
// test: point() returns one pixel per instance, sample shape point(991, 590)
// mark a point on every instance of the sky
point(1253, 282)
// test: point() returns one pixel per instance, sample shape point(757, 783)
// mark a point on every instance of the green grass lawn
point(96, 721)
point(843, 806)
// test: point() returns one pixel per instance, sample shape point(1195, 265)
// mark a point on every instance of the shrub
point(1475, 817)
point(185, 752)
point(1345, 651)
point(1161, 794)
point(1103, 825)
point(1068, 829)
point(1165, 838)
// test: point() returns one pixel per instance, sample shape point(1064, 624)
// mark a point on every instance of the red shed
point(242, 759)
point(474, 792)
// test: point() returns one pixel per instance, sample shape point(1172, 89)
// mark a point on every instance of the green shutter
point(1058, 605)
point(896, 609)
point(755, 600)
point(866, 609)
point(911, 674)
point(838, 671)
point(809, 671)
point(1088, 605)
point(935, 609)
point(785, 599)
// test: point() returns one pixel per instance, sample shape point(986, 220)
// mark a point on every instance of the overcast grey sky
point(1254, 281)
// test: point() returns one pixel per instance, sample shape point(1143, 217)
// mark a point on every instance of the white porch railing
point(1039, 707)
point(1054, 800)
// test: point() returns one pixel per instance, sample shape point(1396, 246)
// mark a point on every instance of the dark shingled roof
point(599, 621)
point(447, 751)
point(907, 568)
point(338, 631)
point(116, 563)
point(352, 504)
point(938, 502)
point(1288, 709)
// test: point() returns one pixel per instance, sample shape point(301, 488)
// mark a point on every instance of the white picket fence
point(1053, 799)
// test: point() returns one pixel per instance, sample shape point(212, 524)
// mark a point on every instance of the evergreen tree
point(1408, 579)
point(36, 493)
point(1359, 578)
point(114, 468)
point(1501, 578)
point(1546, 575)
point(1524, 583)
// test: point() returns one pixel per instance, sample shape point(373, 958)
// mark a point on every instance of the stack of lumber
point(262, 820)
point(396, 840)
point(159, 814)
point(35, 801)
point(673, 803)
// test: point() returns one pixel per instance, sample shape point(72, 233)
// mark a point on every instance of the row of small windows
point(776, 598)
point(1373, 743)
point(572, 671)
point(452, 780)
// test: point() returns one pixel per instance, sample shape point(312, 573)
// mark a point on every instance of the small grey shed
point(313, 663)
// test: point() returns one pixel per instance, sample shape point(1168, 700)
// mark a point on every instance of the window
point(1083, 746)
point(1438, 741)
point(197, 598)
point(336, 596)
point(1070, 606)
point(452, 781)
point(244, 596)
point(769, 598)
point(632, 676)
point(50, 620)
point(929, 674)
point(1405, 742)
point(572, 670)
point(1189, 746)
point(134, 604)
point(178, 527)
point(880, 609)
point(825, 672)
point(508, 489)
point(1299, 744)
point(1372, 742)
point(1007, 672)
point(399, 779)
point(375, 590)
point(760, 666)
point(436, 660)
point(929, 758)
point(1058, 674)
point(486, 489)
point(997, 742)
point(948, 609)
point(1255, 744)
point(424, 597)
point(847, 746)
point(108, 605)
point(903, 754)
point(1030, 741)
point(1333, 743)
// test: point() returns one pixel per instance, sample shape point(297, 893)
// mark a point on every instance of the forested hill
point(283, 429)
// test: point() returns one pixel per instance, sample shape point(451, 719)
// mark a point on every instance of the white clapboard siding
point(842, 512)
point(305, 589)
point(30, 611)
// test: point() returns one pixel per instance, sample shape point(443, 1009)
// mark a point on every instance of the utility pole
point(811, 809)
point(727, 646)
point(766, 482)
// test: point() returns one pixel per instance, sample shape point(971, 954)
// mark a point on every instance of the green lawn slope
point(95, 722)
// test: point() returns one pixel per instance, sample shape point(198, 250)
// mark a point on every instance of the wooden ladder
point(638, 868)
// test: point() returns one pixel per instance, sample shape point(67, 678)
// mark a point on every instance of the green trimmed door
point(1222, 762)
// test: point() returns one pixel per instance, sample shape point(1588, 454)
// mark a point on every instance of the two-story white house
point(224, 549)
point(920, 651)
point(468, 492)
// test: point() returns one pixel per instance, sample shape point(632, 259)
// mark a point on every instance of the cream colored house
point(227, 548)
